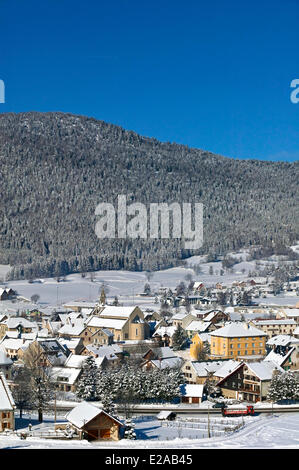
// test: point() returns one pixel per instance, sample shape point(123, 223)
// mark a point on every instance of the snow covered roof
point(281, 340)
point(179, 316)
point(4, 359)
point(169, 362)
point(237, 329)
point(263, 370)
point(198, 325)
point(203, 368)
point(117, 311)
point(15, 344)
point(68, 375)
point(163, 352)
point(278, 358)
point(164, 414)
point(227, 368)
point(291, 312)
point(80, 304)
point(290, 321)
point(14, 322)
point(165, 330)
point(75, 361)
point(98, 322)
point(84, 413)
point(74, 329)
point(191, 390)
point(6, 399)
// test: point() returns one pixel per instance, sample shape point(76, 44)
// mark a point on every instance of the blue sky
point(212, 75)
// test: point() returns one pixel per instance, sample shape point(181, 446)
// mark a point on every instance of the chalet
point(190, 393)
point(249, 381)
point(197, 372)
point(94, 423)
point(7, 406)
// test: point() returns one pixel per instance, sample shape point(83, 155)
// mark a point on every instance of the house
point(7, 293)
point(74, 345)
point(197, 326)
point(158, 353)
point(276, 327)
point(197, 372)
point(85, 307)
point(5, 365)
point(65, 378)
point(183, 319)
point(46, 353)
point(18, 325)
point(249, 381)
point(163, 335)
point(113, 354)
point(14, 348)
point(190, 393)
point(289, 313)
point(216, 317)
point(237, 339)
point(199, 340)
point(126, 323)
point(94, 423)
point(284, 351)
point(169, 362)
point(7, 406)
point(76, 329)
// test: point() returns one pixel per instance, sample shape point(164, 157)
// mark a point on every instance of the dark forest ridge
point(56, 168)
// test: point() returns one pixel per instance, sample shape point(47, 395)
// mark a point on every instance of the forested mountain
point(55, 169)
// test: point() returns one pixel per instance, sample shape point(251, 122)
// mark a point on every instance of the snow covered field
point(260, 432)
point(126, 285)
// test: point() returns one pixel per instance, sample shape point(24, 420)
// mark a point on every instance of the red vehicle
point(235, 412)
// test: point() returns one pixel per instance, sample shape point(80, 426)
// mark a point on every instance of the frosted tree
point(179, 338)
point(87, 387)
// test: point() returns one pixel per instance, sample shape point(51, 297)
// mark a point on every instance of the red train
point(249, 410)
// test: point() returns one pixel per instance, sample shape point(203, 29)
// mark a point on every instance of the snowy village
point(202, 355)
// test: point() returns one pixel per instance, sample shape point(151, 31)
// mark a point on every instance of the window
point(239, 345)
point(253, 351)
point(253, 345)
point(238, 353)
point(246, 352)
point(246, 345)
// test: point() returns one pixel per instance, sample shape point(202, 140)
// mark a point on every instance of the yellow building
point(237, 340)
point(197, 345)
